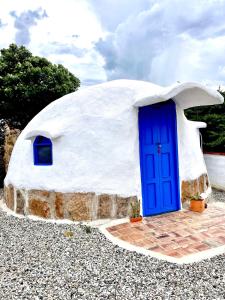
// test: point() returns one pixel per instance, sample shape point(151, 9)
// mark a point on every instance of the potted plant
point(135, 212)
point(197, 203)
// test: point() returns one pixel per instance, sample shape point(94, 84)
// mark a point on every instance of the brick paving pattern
point(176, 234)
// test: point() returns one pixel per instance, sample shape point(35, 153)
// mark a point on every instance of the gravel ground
point(217, 196)
point(41, 260)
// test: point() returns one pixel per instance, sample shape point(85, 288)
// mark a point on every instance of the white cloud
point(166, 41)
point(24, 22)
point(161, 41)
point(66, 34)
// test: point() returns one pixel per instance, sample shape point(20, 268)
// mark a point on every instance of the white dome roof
point(95, 137)
point(58, 116)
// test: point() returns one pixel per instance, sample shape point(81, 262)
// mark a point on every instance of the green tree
point(28, 83)
point(214, 116)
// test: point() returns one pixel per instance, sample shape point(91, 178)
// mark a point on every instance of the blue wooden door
point(159, 158)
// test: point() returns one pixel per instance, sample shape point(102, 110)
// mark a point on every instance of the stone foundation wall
point(192, 187)
point(83, 206)
point(72, 206)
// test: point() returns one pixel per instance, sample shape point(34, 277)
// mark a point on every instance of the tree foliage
point(214, 116)
point(28, 83)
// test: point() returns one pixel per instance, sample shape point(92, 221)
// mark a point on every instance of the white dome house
point(89, 154)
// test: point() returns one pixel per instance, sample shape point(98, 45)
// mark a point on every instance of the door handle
point(159, 147)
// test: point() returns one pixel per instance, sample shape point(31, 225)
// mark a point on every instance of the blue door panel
point(159, 158)
point(150, 172)
point(167, 194)
point(151, 190)
point(165, 165)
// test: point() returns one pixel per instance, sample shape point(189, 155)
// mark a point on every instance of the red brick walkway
point(176, 234)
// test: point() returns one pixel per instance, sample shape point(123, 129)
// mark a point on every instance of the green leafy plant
point(197, 196)
point(135, 209)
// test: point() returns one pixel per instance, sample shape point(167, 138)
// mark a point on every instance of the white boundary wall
point(215, 164)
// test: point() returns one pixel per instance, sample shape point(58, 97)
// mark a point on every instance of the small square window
point(42, 151)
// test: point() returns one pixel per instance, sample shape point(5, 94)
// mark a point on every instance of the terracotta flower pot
point(197, 205)
point(135, 219)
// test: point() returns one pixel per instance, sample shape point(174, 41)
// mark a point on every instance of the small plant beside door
point(135, 212)
point(197, 203)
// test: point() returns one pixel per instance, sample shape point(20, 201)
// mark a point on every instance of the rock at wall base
point(79, 206)
point(193, 187)
point(72, 206)
point(105, 206)
point(59, 203)
point(20, 203)
point(9, 196)
point(39, 208)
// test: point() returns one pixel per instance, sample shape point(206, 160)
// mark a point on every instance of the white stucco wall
point(216, 169)
point(96, 141)
point(191, 161)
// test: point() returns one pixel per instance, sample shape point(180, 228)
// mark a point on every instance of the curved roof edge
point(197, 124)
point(186, 95)
point(49, 134)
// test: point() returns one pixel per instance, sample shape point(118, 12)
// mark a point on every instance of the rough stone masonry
point(83, 206)
point(72, 206)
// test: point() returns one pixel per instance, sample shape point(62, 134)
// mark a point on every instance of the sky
point(162, 41)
